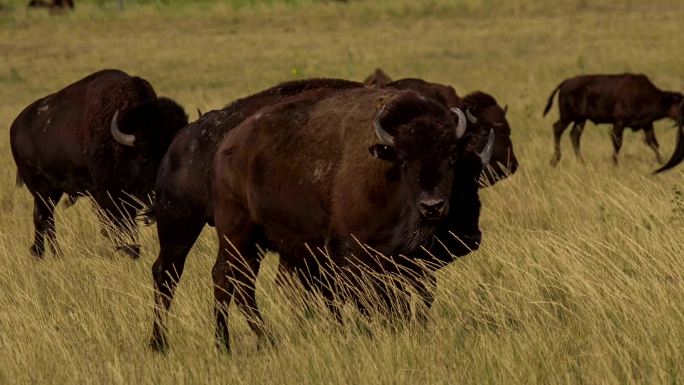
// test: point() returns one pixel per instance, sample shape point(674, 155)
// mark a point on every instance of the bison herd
point(353, 184)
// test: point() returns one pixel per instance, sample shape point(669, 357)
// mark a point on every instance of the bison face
point(671, 102)
point(422, 148)
point(149, 127)
point(484, 114)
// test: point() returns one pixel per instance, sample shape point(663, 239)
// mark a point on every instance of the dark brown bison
point(102, 136)
point(53, 4)
point(625, 100)
point(358, 167)
point(484, 113)
point(446, 95)
point(678, 153)
point(183, 189)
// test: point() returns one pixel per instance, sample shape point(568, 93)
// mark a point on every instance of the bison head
point(149, 127)
point(671, 102)
point(484, 114)
point(424, 142)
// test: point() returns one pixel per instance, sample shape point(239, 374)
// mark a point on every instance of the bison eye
point(384, 152)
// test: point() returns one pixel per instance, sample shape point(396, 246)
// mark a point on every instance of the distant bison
point(625, 100)
point(484, 114)
point(53, 4)
point(443, 94)
point(102, 136)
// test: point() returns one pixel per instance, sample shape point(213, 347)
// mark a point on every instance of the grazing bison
point(359, 167)
point(484, 114)
point(53, 4)
point(102, 136)
point(183, 203)
point(678, 153)
point(625, 100)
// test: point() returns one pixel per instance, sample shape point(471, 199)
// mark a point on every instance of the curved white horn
point(486, 153)
point(125, 139)
point(384, 136)
point(461, 127)
point(471, 117)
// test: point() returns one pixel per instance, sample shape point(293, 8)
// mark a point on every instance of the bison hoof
point(36, 252)
point(132, 251)
point(159, 345)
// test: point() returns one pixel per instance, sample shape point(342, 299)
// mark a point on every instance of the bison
point(183, 190)
point(623, 100)
point(53, 4)
point(358, 167)
point(484, 113)
point(102, 136)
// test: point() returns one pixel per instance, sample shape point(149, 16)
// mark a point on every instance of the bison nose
point(513, 166)
point(432, 207)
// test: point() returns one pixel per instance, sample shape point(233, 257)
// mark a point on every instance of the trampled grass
point(579, 278)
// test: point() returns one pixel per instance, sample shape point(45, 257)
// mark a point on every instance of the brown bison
point(358, 167)
point(183, 190)
point(484, 113)
point(102, 136)
point(53, 4)
point(625, 100)
point(678, 154)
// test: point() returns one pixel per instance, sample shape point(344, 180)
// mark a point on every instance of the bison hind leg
point(558, 129)
point(44, 222)
point(176, 238)
point(575, 135)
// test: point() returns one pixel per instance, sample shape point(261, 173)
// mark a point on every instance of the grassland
point(579, 280)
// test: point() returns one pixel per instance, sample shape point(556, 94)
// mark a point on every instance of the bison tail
point(678, 154)
point(18, 181)
point(550, 102)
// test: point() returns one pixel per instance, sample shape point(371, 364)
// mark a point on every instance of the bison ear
point(383, 151)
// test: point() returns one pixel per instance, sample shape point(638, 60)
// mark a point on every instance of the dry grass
point(579, 279)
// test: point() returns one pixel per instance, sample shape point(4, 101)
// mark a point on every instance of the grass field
point(580, 278)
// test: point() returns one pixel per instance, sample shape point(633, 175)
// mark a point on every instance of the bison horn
point(486, 153)
point(125, 139)
point(461, 127)
point(384, 136)
point(471, 117)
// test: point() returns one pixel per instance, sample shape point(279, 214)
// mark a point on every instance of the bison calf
point(625, 100)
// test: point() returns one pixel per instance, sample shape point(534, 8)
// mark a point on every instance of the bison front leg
point(234, 274)
point(616, 137)
point(119, 216)
point(652, 142)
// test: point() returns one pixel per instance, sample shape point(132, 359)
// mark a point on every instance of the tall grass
point(579, 278)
